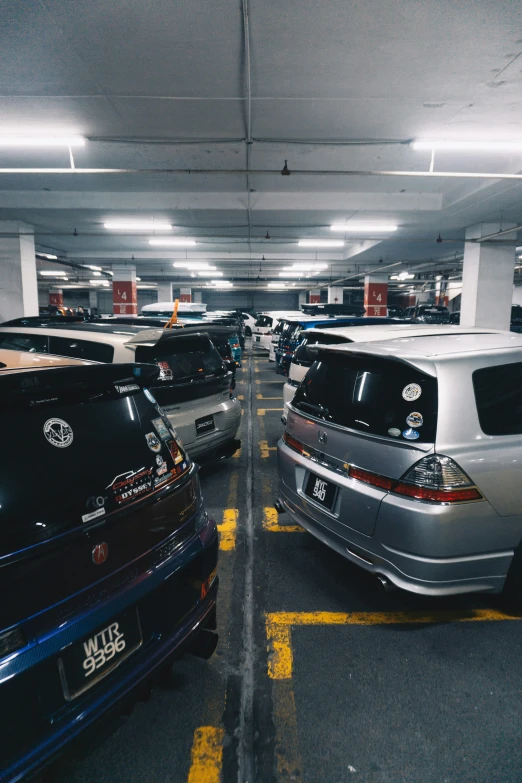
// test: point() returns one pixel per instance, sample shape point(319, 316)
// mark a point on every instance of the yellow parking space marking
point(271, 523)
point(206, 755)
point(241, 396)
point(260, 397)
point(279, 624)
point(265, 449)
point(237, 454)
point(262, 411)
point(288, 755)
point(227, 530)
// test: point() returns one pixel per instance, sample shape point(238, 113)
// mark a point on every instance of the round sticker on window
point(394, 432)
point(410, 434)
point(411, 392)
point(415, 419)
point(58, 433)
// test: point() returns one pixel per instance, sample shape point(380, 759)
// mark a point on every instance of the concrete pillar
point(56, 297)
point(335, 294)
point(185, 295)
point(93, 300)
point(18, 286)
point(302, 298)
point(165, 292)
point(376, 294)
point(314, 297)
point(487, 278)
point(124, 294)
point(197, 296)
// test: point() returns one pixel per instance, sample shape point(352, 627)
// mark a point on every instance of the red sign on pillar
point(375, 298)
point(314, 297)
point(56, 298)
point(124, 297)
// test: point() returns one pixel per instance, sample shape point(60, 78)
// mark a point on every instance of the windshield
point(291, 331)
point(182, 358)
point(264, 320)
point(301, 355)
point(372, 395)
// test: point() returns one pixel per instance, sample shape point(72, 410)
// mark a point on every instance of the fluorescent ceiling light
point(138, 279)
point(305, 267)
point(48, 256)
point(402, 276)
point(221, 282)
point(320, 243)
point(193, 265)
point(362, 227)
point(466, 146)
point(172, 242)
point(97, 274)
point(96, 268)
point(209, 273)
point(137, 225)
point(44, 140)
point(99, 282)
point(50, 273)
point(291, 274)
point(277, 285)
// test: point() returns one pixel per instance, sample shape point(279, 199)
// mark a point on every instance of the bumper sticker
point(411, 392)
point(410, 434)
point(161, 428)
point(415, 419)
point(153, 442)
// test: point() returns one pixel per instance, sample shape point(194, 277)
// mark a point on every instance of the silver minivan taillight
point(438, 479)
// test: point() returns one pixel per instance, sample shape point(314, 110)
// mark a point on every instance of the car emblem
point(322, 437)
point(58, 433)
point(100, 553)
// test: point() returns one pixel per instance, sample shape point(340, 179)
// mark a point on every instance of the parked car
point(402, 455)
point(265, 325)
point(427, 314)
point(165, 309)
point(195, 387)
point(108, 556)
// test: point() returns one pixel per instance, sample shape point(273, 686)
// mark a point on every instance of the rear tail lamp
point(295, 444)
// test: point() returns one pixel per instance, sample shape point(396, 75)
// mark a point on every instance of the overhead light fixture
point(193, 265)
point(138, 225)
point(305, 267)
point(110, 273)
point(44, 140)
point(362, 227)
point(97, 274)
point(209, 273)
point(471, 145)
point(402, 276)
point(321, 243)
point(221, 282)
point(291, 274)
point(47, 256)
point(50, 273)
point(138, 279)
point(98, 282)
point(277, 285)
point(172, 242)
point(96, 268)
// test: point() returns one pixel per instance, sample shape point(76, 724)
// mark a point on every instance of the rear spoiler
point(420, 363)
point(47, 383)
point(155, 336)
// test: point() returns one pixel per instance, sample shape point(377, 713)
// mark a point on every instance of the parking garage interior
point(258, 157)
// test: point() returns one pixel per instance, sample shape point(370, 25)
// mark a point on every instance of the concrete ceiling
point(169, 95)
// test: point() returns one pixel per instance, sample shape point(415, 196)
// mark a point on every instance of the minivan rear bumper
point(419, 547)
point(227, 418)
point(70, 722)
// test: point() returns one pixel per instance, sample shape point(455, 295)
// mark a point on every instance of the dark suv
point(108, 557)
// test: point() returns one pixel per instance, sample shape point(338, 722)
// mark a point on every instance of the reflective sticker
point(161, 428)
point(152, 442)
point(127, 388)
point(162, 469)
point(415, 419)
point(149, 396)
point(58, 433)
point(410, 434)
point(137, 372)
point(411, 392)
point(165, 371)
point(93, 515)
point(175, 452)
point(394, 432)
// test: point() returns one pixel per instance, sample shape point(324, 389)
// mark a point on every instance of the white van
point(165, 309)
point(264, 327)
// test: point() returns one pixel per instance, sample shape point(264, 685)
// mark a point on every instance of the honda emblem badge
point(100, 553)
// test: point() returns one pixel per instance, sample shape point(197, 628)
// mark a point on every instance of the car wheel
point(248, 331)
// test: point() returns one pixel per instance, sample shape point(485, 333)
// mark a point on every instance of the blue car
point(108, 556)
point(236, 348)
point(292, 334)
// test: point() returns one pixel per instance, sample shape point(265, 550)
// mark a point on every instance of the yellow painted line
point(237, 454)
point(262, 411)
point(271, 523)
point(260, 397)
point(287, 750)
point(265, 449)
point(241, 396)
point(206, 755)
point(279, 624)
point(227, 530)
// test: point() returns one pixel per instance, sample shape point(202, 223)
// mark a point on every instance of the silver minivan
point(405, 457)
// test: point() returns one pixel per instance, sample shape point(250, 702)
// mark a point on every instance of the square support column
point(185, 295)
point(335, 294)
point(487, 279)
point(314, 297)
point(165, 292)
point(124, 293)
point(376, 295)
point(18, 284)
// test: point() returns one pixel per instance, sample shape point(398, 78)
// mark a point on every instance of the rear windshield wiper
point(320, 409)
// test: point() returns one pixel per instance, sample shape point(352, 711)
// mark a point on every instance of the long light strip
point(360, 228)
point(41, 141)
point(48, 256)
point(305, 267)
point(50, 273)
point(321, 243)
point(193, 265)
point(138, 225)
point(209, 273)
point(172, 242)
point(277, 285)
point(466, 146)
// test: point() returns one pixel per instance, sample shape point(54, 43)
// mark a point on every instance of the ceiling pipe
point(495, 234)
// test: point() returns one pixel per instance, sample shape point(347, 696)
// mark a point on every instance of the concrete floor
point(321, 695)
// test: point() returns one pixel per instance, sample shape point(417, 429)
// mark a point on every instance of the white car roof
point(375, 332)
point(23, 360)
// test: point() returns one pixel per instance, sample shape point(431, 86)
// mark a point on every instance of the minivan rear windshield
point(183, 358)
point(498, 394)
point(301, 355)
point(264, 320)
point(370, 394)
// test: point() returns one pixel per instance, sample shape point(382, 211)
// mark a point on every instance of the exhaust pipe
point(384, 584)
point(204, 644)
point(279, 507)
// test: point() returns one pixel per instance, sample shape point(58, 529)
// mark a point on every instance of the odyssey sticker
point(415, 419)
point(161, 428)
point(394, 432)
point(93, 515)
point(128, 486)
point(410, 434)
point(152, 442)
point(411, 392)
point(58, 433)
point(127, 388)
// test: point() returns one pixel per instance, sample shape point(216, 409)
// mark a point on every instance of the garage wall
point(251, 300)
